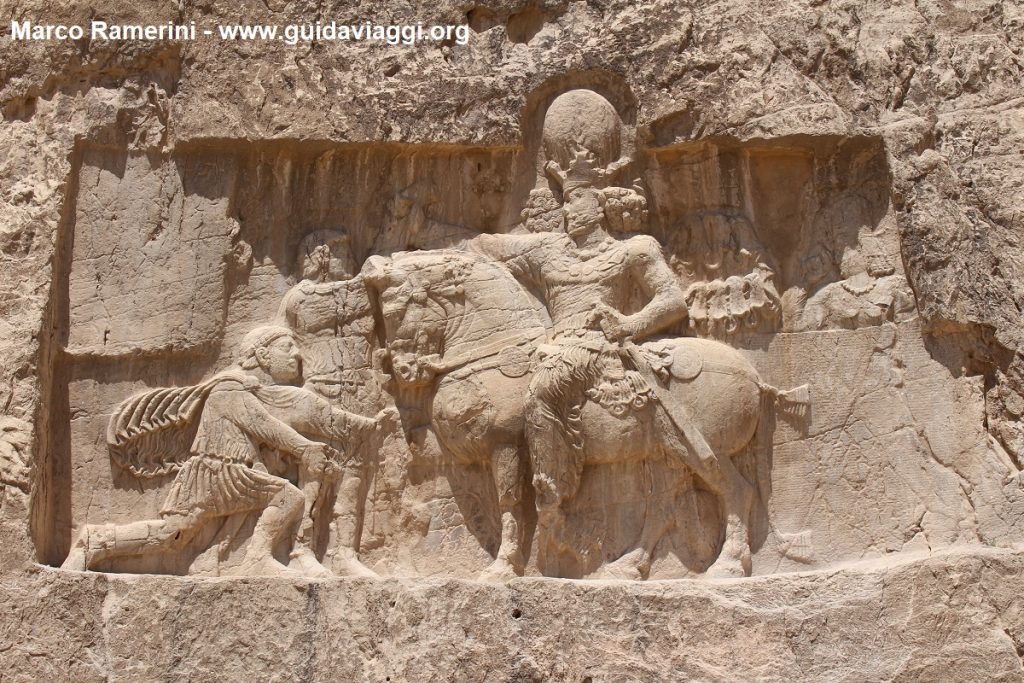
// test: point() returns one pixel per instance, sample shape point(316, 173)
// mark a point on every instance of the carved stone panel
point(591, 356)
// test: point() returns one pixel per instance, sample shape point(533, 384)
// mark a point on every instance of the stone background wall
point(937, 82)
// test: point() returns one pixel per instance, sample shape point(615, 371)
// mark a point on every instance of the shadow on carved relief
point(578, 358)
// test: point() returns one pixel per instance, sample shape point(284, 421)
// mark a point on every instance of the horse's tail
point(795, 402)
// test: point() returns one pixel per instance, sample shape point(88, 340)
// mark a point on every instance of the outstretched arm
point(336, 423)
point(312, 414)
point(518, 252)
point(253, 418)
point(303, 410)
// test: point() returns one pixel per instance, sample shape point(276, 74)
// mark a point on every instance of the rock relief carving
point(729, 284)
point(589, 389)
point(222, 474)
point(554, 355)
point(869, 294)
point(329, 312)
point(15, 439)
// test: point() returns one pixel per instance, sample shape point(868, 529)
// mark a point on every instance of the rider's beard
point(581, 227)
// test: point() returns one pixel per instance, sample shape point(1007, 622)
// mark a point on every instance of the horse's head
point(418, 298)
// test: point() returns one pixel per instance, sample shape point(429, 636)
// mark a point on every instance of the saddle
point(674, 361)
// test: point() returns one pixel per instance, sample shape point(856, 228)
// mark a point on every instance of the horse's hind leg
point(737, 497)
point(636, 564)
point(720, 474)
point(508, 465)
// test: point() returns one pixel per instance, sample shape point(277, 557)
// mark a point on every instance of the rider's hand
point(386, 418)
point(613, 324)
point(314, 457)
point(318, 457)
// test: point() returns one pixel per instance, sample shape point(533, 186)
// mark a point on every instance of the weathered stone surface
point(834, 188)
point(951, 616)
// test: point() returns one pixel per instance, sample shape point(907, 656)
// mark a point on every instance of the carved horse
point(462, 327)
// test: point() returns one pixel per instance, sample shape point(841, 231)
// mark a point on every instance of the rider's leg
point(553, 426)
point(554, 436)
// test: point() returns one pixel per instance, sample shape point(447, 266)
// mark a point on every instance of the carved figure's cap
point(257, 339)
point(582, 120)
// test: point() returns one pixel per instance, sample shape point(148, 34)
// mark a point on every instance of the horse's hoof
point(728, 567)
point(75, 560)
point(721, 570)
point(499, 571)
point(305, 562)
point(629, 567)
point(266, 566)
point(347, 564)
point(617, 573)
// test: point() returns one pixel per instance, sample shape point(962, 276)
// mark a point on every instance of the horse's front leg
point(508, 467)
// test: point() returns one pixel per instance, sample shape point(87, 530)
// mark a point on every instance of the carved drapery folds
point(585, 370)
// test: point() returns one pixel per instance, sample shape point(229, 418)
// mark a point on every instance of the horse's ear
point(376, 272)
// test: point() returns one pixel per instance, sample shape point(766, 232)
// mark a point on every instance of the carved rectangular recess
point(166, 262)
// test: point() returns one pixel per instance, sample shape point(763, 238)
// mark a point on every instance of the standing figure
point(329, 312)
point(222, 474)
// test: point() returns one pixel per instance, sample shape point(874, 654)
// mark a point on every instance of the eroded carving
point(586, 362)
point(730, 286)
point(222, 473)
point(15, 439)
point(330, 314)
point(870, 293)
point(594, 396)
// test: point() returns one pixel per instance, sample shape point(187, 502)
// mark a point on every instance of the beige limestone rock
point(952, 616)
point(827, 193)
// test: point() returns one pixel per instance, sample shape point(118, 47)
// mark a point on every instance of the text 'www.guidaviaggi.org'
point(290, 34)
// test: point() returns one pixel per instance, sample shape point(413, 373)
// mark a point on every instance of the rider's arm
point(668, 302)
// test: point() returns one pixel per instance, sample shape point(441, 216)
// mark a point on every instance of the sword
point(676, 412)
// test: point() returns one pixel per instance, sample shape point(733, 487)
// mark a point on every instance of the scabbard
point(677, 413)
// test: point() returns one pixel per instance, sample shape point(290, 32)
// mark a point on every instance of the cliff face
point(942, 618)
point(857, 162)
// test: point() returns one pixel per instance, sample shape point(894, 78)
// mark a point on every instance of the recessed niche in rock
point(580, 358)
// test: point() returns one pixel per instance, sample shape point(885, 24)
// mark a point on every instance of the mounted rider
point(585, 277)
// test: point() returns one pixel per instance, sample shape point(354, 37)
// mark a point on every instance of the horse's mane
point(459, 268)
point(425, 258)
